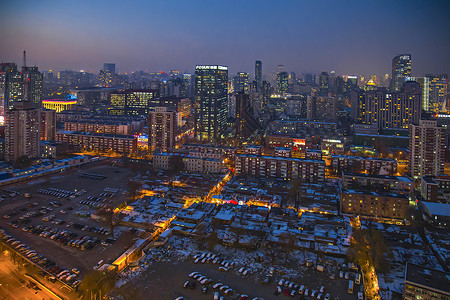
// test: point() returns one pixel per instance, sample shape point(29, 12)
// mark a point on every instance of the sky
point(353, 37)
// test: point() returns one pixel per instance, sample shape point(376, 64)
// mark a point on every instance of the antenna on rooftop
point(24, 58)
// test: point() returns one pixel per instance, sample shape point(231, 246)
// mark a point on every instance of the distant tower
point(258, 74)
point(110, 67)
point(24, 58)
point(401, 69)
point(282, 82)
point(241, 83)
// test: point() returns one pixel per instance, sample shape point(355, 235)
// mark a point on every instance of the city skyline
point(351, 38)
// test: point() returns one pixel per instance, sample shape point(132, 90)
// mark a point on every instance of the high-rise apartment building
point(241, 83)
point(210, 101)
point(401, 69)
point(388, 110)
point(320, 108)
point(426, 148)
point(32, 83)
point(48, 125)
point(282, 82)
point(22, 134)
point(258, 74)
point(162, 127)
point(437, 85)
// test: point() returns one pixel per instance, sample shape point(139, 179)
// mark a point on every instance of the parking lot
point(170, 269)
point(49, 219)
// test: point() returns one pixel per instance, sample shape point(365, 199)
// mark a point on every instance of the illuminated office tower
point(162, 126)
point(437, 92)
point(401, 69)
point(132, 102)
point(425, 87)
point(282, 82)
point(258, 74)
point(211, 89)
point(22, 132)
point(427, 148)
point(241, 82)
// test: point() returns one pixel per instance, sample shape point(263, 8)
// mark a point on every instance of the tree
point(97, 282)
point(23, 162)
point(295, 191)
point(368, 248)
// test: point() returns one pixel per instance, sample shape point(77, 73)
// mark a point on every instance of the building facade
point(22, 135)
point(374, 204)
point(280, 167)
point(401, 69)
point(80, 141)
point(162, 129)
point(211, 93)
point(427, 142)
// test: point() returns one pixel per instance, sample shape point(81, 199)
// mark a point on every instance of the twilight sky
point(348, 36)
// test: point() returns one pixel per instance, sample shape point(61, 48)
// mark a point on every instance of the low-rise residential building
point(79, 141)
point(377, 205)
point(435, 188)
point(94, 126)
point(52, 149)
point(426, 283)
point(357, 164)
point(229, 152)
point(395, 184)
point(436, 213)
point(281, 167)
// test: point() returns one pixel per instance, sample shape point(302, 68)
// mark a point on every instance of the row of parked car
point(60, 193)
point(63, 237)
point(99, 230)
point(207, 257)
point(292, 288)
point(41, 261)
point(218, 287)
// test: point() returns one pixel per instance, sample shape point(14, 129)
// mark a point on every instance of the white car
point(281, 282)
point(192, 274)
point(217, 285)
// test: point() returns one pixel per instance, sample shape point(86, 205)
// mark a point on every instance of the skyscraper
point(258, 74)
point(110, 67)
point(32, 81)
point(245, 123)
point(282, 82)
point(210, 101)
point(401, 69)
point(426, 148)
point(162, 126)
point(437, 92)
point(241, 82)
point(22, 136)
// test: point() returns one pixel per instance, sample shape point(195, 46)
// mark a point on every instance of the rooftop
point(437, 209)
point(430, 278)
